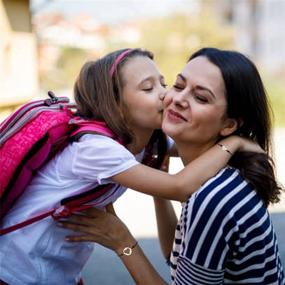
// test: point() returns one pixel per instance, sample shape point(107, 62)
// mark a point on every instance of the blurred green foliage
point(172, 39)
point(175, 38)
point(276, 93)
point(66, 70)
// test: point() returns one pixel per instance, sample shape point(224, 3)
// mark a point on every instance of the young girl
point(125, 90)
point(225, 234)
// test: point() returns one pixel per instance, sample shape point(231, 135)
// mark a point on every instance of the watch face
point(127, 251)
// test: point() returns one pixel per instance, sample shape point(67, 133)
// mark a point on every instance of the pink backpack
point(29, 138)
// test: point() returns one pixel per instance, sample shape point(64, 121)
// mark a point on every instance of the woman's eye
point(201, 99)
point(178, 87)
point(164, 85)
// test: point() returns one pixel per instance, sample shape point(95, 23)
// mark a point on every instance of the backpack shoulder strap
point(65, 210)
point(98, 127)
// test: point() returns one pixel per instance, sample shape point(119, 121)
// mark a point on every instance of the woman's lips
point(174, 116)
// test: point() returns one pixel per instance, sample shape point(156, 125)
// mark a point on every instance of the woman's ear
point(230, 126)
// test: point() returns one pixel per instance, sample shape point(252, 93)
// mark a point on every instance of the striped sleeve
point(210, 229)
point(190, 273)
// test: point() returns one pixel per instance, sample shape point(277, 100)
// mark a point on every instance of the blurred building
point(260, 29)
point(18, 53)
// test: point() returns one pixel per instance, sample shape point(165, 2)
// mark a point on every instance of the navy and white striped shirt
point(225, 236)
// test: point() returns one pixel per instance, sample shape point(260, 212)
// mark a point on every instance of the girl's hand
point(249, 145)
point(236, 143)
point(99, 226)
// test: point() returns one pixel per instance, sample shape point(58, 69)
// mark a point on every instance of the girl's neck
point(141, 139)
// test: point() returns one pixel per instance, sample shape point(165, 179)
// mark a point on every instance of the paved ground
point(104, 267)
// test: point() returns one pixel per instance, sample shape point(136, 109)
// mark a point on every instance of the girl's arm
point(108, 230)
point(181, 185)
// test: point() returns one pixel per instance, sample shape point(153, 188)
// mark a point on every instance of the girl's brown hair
point(98, 95)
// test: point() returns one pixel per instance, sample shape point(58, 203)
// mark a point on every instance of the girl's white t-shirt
point(38, 254)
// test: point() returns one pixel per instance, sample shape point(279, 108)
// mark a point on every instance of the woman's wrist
point(126, 246)
point(127, 250)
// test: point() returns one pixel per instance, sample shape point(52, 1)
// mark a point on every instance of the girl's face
point(195, 106)
point(143, 91)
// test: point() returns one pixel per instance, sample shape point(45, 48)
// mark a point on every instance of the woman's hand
point(99, 226)
point(108, 230)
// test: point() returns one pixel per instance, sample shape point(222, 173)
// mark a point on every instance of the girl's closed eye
point(147, 88)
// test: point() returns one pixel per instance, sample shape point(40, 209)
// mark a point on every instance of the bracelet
point(225, 148)
point(128, 250)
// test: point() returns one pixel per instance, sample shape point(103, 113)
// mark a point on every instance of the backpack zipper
point(10, 121)
point(17, 124)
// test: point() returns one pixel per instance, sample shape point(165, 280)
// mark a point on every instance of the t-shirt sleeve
point(99, 158)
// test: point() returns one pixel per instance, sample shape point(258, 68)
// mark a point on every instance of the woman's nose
point(180, 100)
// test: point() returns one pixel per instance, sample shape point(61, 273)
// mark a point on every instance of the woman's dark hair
point(248, 104)
point(98, 96)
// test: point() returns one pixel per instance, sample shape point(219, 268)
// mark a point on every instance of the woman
point(123, 90)
point(224, 234)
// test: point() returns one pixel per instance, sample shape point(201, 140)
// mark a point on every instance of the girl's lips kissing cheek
point(175, 117)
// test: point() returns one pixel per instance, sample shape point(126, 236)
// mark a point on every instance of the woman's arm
point(181, 185)
point(166, 219)
point(166, 224)
point(141, 269)
point(108, 230)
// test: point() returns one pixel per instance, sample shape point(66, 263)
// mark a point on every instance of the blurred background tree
point(276, 92)
point(173, 39)
point(66, 69)
point(61, 41)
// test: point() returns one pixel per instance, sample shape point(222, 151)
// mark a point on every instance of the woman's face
point(143, 91)
point(195, 106)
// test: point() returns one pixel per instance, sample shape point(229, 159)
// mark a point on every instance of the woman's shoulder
point(228, 177)
point(226, 191)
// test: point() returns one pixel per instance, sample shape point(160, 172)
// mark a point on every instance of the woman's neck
point(189, 152)
point(141, 139)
